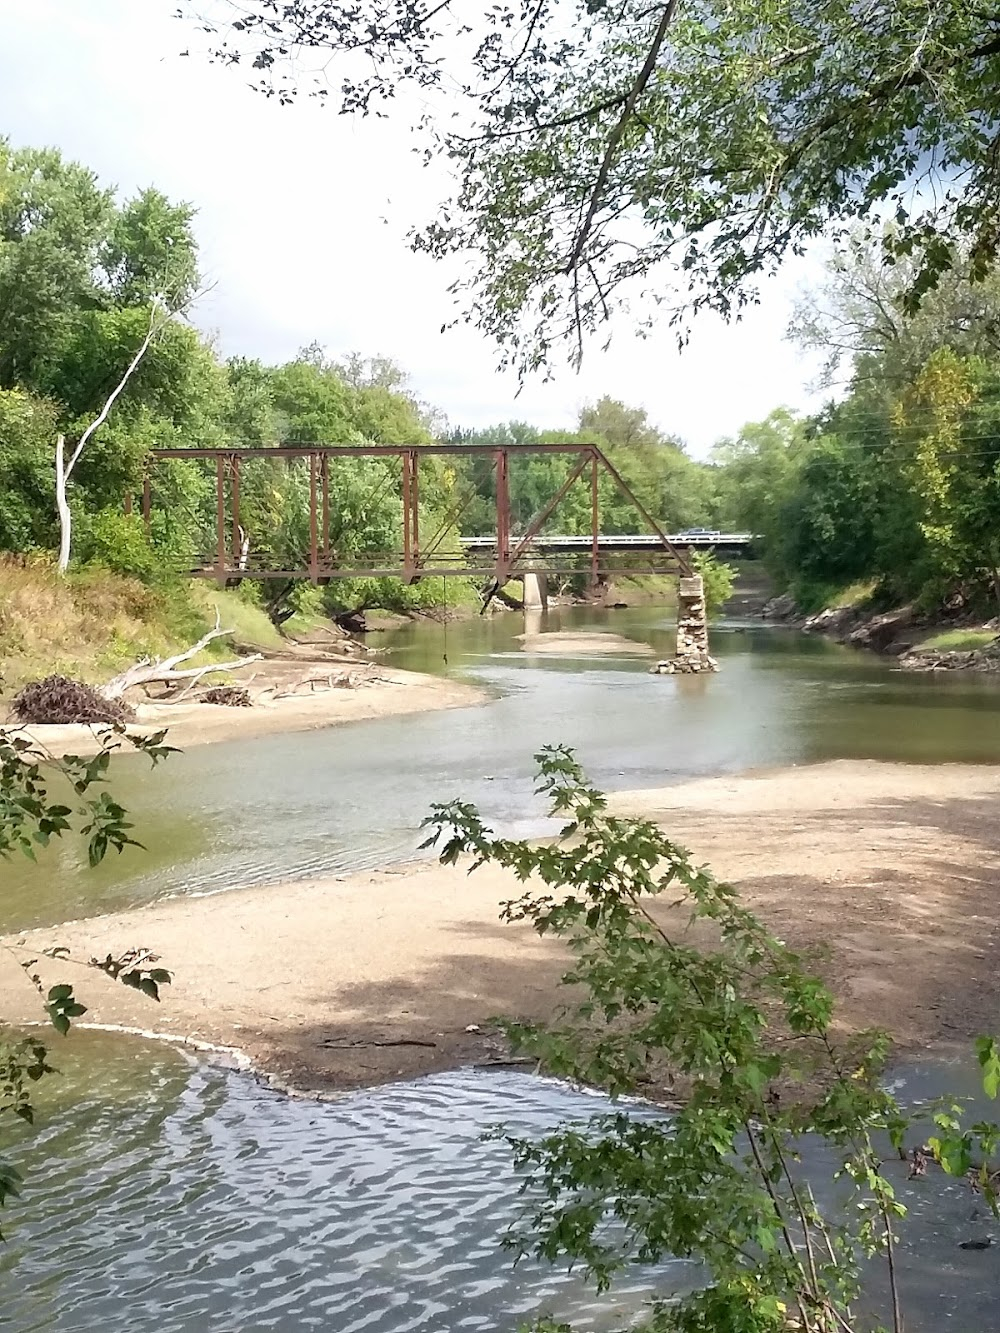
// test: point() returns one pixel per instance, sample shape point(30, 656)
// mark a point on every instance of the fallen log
point(153, 670)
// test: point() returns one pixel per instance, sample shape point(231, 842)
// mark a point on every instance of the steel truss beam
point(410, 563)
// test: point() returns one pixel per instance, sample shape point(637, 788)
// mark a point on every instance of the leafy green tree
point(249, 415)
point(672, 979)
point(951, 477)
point(54, 218)
point(757, 472)
point(829, 518)
point(67, 252)
point(27, 429)
point(596, 144)
point(313, 404)
point(151, 252)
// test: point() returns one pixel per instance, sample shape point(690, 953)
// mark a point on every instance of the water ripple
point(239, 1209)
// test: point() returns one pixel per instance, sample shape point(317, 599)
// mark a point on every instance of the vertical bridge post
point(411, 514)
point(237, 538)
point(595, 530)
point(313, 519)
point(503, 518)
point(220, 520)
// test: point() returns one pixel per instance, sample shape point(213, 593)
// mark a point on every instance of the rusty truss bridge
point(422, 549)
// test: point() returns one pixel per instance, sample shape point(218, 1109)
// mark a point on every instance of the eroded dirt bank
point(339, 983)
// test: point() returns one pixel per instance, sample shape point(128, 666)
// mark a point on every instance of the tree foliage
point(597, 143)
point(898, 483)
point(672, 978)
point(32, 813)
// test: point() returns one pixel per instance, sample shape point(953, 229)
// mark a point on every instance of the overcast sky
point(302, 216)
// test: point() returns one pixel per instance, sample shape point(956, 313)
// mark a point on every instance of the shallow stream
point(166, 1193)
point(352, 797)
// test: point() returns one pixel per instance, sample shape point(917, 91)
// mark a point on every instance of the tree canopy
point(84, 281)
point(596, 143)
point(897, 484)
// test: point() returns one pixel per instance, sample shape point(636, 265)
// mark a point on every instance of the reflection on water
point(183, 1197)
point(166, 1194)
point(349, 798)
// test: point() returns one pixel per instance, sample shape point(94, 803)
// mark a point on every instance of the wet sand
point(584, 643)
point(338, 983)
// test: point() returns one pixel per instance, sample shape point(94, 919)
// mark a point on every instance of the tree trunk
point(62, 506)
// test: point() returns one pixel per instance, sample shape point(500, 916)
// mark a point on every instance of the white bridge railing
point(625, 542)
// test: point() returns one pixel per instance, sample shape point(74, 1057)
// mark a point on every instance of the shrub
point(117, 541)
point(718, 579)
point(747, 1036)
point(57, 699)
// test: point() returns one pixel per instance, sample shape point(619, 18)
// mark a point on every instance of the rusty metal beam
point(623, 486)
point(503, 513)
point(595, 546)
point(313, 519)
point(326, 507)
point(407, 461)
point(359, 450)
point(415, 496)
point(509, 549)
point(394, 572)
point(220, 518)
point(235, 494)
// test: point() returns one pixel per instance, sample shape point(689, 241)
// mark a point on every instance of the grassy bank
point(957, 641)
point(811, 598)
point(91, 623)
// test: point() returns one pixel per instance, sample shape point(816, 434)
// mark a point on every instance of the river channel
point(165, 1192)
point(349, 798)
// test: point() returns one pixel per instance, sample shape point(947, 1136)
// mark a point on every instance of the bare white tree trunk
point(150, 671)
point(160, 315)
point(62, 506)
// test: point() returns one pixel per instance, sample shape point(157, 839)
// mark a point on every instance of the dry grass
point(92, 623)
point(80, 625)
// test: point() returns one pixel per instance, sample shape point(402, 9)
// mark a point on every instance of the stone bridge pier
point(536, 592)
point(691, 654)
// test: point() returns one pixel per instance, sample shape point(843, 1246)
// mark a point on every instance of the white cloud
point(302, 220)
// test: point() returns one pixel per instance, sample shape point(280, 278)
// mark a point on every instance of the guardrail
point(626, 541)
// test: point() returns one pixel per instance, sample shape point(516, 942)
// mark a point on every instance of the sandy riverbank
point(376, 691)
point(584, 643)
point(344, 982)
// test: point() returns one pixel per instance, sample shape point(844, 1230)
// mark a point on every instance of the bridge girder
point(499, 556)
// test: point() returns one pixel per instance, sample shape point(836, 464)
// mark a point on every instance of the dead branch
point(151, 671)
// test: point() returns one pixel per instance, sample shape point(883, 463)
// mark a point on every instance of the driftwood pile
point(58, 700)
point(232, 696)
point(153, 671)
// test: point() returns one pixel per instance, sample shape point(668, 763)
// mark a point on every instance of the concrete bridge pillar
point(691, 655)
point(536, 593)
